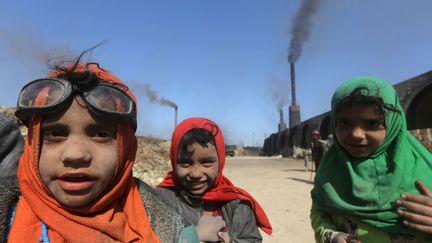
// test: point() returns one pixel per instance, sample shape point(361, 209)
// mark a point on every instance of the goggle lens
point(43, 93)
point(111, 100)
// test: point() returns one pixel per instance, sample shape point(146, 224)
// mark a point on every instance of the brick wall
point(424, 136)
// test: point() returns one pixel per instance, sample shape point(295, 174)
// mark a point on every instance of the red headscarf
point(222, 190)
point(118, 215)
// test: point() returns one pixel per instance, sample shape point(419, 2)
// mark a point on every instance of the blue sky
point(218, 59)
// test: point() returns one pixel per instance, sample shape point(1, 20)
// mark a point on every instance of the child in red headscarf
point(197, 188)
point(75, 176)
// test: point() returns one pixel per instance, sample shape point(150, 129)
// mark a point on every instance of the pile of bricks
point(424, 136)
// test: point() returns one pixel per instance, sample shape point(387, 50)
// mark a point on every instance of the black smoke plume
point(301, 28)
point(152, 96)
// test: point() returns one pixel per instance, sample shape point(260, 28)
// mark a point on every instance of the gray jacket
point(239, 217)
point(166, 223)
point(11, 146)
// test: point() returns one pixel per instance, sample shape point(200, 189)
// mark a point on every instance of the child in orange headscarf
point(196, 186)
point(75, 176)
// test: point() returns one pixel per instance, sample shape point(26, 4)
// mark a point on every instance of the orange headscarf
point(222, 190)
point(118, 215)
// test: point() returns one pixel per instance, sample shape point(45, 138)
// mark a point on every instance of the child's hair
point(196, 135)
point(360, 97)
point(67, 69)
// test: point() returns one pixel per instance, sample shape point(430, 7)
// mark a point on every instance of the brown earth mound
point(152, 160)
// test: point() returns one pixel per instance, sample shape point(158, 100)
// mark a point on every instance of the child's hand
point(418, 213)
point(224, 237)
point(344, 238)
point(208, 228)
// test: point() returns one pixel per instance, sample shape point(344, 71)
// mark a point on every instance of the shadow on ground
point(300, 180)
point(300, 170)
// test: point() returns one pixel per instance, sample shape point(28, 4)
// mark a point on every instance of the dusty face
point(360, 130)
point(198, 173)
point(78, 155)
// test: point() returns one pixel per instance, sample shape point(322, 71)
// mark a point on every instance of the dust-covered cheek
point(106, 165)
point(49, 164)
point(180, 174)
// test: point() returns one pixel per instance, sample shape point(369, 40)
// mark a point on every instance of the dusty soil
point(282, 187)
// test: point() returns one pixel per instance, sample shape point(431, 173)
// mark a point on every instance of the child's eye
point(183, 164)
point(208, 164)
point(53, 136)
point(341, 123)
point(374, 123)
point(103, 135)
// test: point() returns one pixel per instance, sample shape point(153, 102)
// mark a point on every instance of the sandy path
point(282, 187)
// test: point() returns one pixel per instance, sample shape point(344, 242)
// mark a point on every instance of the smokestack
point(175, 117)
point(293, 86)
point(294, 109)
point(282, 125)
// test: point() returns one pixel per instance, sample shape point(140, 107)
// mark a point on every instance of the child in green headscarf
point(374, 160)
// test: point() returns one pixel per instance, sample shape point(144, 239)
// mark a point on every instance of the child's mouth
point(197, 185)
point(76, 181)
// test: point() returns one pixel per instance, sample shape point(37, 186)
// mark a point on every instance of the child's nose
point(195, 172)
point(358, 133)
point(76, 151)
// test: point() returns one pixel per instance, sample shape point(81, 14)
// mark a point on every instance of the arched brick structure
point(419, 110)
point(325, 127)
point(415, 96)
point(306, 138)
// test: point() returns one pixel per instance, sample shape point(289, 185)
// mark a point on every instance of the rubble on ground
point(152, 161)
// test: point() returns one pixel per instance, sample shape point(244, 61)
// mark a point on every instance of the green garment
point(367, 188)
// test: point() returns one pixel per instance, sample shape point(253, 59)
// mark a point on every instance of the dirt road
point(282, 187)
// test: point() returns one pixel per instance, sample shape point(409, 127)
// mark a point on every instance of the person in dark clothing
point(11, 146)
point(317, 148)
point(197, 188)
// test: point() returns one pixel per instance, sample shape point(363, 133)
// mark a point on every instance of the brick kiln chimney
point(175, 116)
point(294, 109)
point(282, 125)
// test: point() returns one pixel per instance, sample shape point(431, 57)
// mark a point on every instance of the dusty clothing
point(317, 152)
point(222, 191)
point(11, 146)
point(166, 223)
point(239, 217)
point(117, 215)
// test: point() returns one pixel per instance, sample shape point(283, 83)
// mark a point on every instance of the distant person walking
point(317, 148)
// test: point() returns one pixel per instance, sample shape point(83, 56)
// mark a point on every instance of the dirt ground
point(282, 186)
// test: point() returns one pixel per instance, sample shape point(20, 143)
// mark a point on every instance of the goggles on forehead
point(49, 95)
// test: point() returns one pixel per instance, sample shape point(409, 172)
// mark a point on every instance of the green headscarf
point(367, 188)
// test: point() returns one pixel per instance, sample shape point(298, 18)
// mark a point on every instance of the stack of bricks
point(424, 136)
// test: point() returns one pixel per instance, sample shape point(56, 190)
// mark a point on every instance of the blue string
point(44, 237)
point(13, 209)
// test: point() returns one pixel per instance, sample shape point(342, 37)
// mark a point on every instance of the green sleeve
point(321, 223)
point(188, 235)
